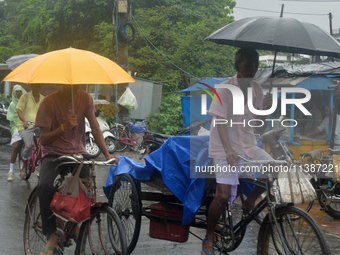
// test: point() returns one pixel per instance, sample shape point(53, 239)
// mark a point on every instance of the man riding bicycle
point(62, 132)
point(27, 108)
point(228, 141)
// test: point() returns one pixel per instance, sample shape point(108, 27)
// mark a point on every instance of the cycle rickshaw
point(285, 229)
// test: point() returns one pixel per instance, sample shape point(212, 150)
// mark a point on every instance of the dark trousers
point(46, 191)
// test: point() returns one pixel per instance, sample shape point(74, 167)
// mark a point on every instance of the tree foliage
point(169, 120)
point(169, 46)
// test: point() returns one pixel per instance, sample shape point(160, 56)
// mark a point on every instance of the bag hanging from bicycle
point(73, 200)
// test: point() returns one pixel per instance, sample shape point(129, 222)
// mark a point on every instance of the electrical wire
point(249, 9)
point(198, 57)
point(160, 51)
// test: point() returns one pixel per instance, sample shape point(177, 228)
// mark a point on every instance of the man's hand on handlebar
point(115, 157)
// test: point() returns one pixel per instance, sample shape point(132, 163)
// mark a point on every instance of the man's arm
point(22, 118)
point(47, 136)
point(98, 136)
point(223, 133)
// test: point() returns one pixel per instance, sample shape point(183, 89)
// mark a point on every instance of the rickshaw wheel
point(125, 199)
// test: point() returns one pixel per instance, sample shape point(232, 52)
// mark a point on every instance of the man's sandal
point(206, 252)
point(51, 248)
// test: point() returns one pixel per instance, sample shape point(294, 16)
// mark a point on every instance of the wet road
point(13, 196)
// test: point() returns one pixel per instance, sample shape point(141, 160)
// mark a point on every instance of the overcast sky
point(319, 9)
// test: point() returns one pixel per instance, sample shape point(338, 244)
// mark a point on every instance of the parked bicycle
point(34, 162)
point(285, 229)
point(321, 167)
point(103, 233)
point(124, 136)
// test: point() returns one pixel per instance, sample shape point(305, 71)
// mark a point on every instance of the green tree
point(178, 29)
point(169, 120)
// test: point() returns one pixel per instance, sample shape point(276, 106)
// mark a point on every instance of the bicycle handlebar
point(76, 159)
point(247, 161)
point(332, 150)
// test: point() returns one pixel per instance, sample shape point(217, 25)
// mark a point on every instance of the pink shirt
point(241, 136)
point(53, 112)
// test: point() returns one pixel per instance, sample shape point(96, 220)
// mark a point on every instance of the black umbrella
point(277, 34)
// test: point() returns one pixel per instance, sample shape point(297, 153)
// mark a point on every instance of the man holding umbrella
point(62, 133)
point(227, 142)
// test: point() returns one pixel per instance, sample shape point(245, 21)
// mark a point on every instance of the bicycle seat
point(309, 154)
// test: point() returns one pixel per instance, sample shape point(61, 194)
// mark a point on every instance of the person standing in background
point(12, 116)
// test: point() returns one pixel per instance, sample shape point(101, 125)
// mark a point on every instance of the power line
point(249, 9)
point(199, 58)
point(160, 51)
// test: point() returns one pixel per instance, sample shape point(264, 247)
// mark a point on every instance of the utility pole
point(330, 23)
point(330, 27)
point(121, 9)
point(281, 15)
point(121, 29)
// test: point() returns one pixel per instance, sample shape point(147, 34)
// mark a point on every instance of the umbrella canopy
point(277, 34)
point(15, 61)
point(69, 66)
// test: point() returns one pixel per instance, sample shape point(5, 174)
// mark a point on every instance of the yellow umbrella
point(69, 66)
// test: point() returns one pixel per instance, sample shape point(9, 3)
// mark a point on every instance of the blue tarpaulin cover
point(173, 160)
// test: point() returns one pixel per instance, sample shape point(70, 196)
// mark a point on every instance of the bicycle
point(124, 136)
point(103, 232)
point(328, 191)
point(36, 155)
point(284, 230)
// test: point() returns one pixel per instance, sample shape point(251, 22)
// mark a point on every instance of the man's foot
point(51, 246)
point(22, 174)
point(49, 250)
point(207, 248)
point(246, 210)
point(10, 176)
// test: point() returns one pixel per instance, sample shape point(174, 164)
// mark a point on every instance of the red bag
point(73, 200)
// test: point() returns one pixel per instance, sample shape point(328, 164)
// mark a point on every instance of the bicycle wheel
point(120, 133)
point(110, 144)
point(34, 240)
point(93, 150)
point(5, 136)
point(29, 168)
point(331, 202)
point(306, 206)
point(124, 198)
point(102, 234)
point(300, 234)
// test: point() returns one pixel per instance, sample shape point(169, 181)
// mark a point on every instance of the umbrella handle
point(72, 98)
